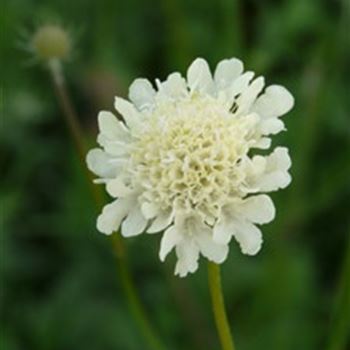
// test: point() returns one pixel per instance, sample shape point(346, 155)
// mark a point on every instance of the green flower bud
point(51, 42)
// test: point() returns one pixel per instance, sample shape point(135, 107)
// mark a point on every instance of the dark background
point(59, 282)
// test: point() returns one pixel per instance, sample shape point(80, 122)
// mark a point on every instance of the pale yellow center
point(187, 155)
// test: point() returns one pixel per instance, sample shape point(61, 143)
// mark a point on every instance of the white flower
point(185, 163)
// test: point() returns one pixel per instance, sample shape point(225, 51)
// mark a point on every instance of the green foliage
point(59, 283)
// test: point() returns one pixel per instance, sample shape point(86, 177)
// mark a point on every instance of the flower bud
point(51, 42)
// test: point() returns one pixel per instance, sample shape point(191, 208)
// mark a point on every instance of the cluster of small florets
point(187, 156)
point(182, 163)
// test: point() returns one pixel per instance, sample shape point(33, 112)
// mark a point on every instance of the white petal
point(114, 148)
point(223, 230)
point(241, 83)
point(263, 143)
point(112, 215)
point(141, 93)
point(271, 126)
point(135, 223)
point(257, 209)
point(118, 188)
point(99, 163)
point(280, 158)
point(187, 253)
point(210, 249)
point(249, 95)
point(253, 170)
point(149, 210)
point(258, 165)
point(276, 174)
point(228, 95)
point(174, 87)
point(114, 135)
point(112, 128)
point(249, 238)
point(275, 102)
point(274, 180)
point(199, 76)
point(162, 221)
point(227, 71)
point(170, 239)
point(131, 116)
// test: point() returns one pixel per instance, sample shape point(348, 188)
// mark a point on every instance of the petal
point(131, 116)
point(199, 76)
point(149, 210)
point(111, 127)
point(112, 215)
point(141, 93)
point(135, 223)
point(276, 174)
point(174, 87)
point(249, 95)
point(274, 181)
point(118, 188)
point(228, 95)
point(257, 209)
point(249, 238)
point(114, 148)
point(252, 170)
point(99, 163)
point(280, 159)
point(187, 253)
point(162, 221)
point(263, 143)
point(114, 136)
point(227, 71)
point(241, 83)
point(170, 239)
point(275, 102)
point(271, 126)
point(211, 250)
point(223, 230)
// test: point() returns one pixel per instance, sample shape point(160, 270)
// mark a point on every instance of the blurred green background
point(59, 282)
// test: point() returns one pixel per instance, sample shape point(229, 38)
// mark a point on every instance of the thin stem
point(128, 286)
point(218, 305)
point(67, 107)
point(339, 333)
point(73, 126)
point(134, 302)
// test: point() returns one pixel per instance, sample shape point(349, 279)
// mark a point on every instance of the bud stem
point(66, 105)
point(72, 123)
point(126, 280)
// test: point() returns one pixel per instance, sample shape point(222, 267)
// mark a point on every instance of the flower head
point(51, 42)
point(185, 162)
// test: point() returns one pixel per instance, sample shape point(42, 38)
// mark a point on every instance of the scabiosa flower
point(51, 42)
point(185, 161)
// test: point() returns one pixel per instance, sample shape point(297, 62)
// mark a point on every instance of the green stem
point(73, 126)
point(134, 302)
point(218, 304)
point(339, 333)
point(126, 280)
